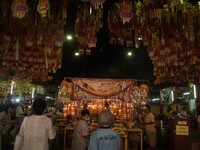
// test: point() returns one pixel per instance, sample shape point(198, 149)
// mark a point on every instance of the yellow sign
point(173, 107)
point(182, 130)
point(182, 122)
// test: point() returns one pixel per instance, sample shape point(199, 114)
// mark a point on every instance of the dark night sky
point(106, 60)
point(110, 61)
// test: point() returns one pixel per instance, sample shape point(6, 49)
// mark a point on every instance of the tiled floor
point(162, 141)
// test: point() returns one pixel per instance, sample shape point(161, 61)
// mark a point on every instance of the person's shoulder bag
point(19, 140)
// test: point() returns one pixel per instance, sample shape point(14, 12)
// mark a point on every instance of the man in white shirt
point(184, 112)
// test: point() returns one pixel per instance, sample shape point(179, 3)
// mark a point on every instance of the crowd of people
point(39, 119)
point(104, 138)
point(38, 127)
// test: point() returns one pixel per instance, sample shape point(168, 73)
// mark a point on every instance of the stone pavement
point(162, 141)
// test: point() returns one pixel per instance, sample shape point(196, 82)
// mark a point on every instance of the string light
point(195, 91)
point(129, 53)
point(172, 96)
point(12, 87)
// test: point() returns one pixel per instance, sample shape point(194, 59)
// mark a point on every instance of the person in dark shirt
point(105, 138)
point(70, 120)
point(2, 105)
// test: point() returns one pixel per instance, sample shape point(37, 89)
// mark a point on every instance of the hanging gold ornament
point(63, 86)
point(43, 7)
point(19, 8)
point(126, 13)
point(144, 87)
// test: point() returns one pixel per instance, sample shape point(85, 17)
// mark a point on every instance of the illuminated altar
point(122, 96)
point(121, 110)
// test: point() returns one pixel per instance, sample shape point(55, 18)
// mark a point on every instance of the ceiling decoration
point(97, 3)
point(169, 29)
point(94, 88)
point(19, 8)
point(173, 40)
point(32, 34)
point(88, 22)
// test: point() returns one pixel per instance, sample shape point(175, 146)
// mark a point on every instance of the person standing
point(85, 106)
point(184, 112)
point(81, 132)
point(69, 121)
point(105, 138)
point(37, 129)
point(2, 106)
point(19, 116)
point(107, 105)
point(198, 120)
point(6, 124)
point(52, 114)
point(150, 129)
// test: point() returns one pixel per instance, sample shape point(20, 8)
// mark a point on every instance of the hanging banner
point(88, 88)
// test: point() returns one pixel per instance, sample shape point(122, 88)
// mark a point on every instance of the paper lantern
point(144, 87)
point(136, 92)
point(64, 85)
point(125, 14)
point(143, 92)
point(135, 88)
point(43, 7)
point(69, 89)
point(19, 8)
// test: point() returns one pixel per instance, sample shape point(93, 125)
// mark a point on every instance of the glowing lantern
point(144, 87)
point(125, 13)
point(64, 85)
point(135, 91)
point(69, 89)
point(143, 91)
point(19, 8)
point(43, 7)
